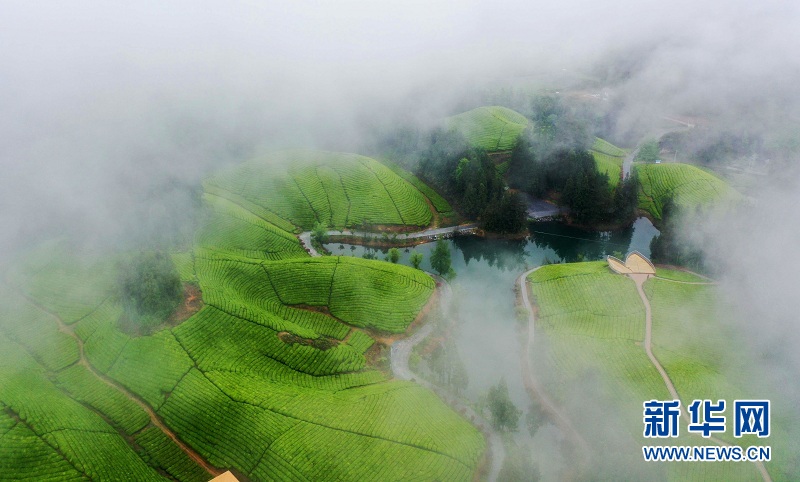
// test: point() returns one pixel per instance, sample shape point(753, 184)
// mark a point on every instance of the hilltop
point(689, 187)
point(492, 128)
point(609, 159)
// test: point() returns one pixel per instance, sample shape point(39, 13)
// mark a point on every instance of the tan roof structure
point(225, 477)
point(635, 263)
point(617, 266)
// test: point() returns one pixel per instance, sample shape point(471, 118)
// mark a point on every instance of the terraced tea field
point(439, 203)
point(295, 189)
point(593, 321)
point(491, 128)
point(268, 379)
point(690, 187)
point(604, 147)
point(608, 158)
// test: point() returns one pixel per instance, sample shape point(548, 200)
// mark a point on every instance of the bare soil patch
point(192, 303)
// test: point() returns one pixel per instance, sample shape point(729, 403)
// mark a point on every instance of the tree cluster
point(447, 367)
point(471, 180)
point(504, 414)
point(416, 259)
point(440, 259)
point(319, 234)
point(506, 215)
point(668, 247)
point(649, 152)
point(552, 156)
point(573, 173)
point(519, 465)
point(150, 289)
point(716, 146)
point(393, 256)
point(558, 126)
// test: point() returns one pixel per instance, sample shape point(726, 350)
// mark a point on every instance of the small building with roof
point(635, 263)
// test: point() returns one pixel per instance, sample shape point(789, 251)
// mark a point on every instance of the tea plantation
point(268, 379)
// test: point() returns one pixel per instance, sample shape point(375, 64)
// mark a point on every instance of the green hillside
point(609, 159)
point(299, 188)
point(439, 203)
point(604, 147)
point(594, 322)
point(491, 128)
point(688, 185)
point(269, 378)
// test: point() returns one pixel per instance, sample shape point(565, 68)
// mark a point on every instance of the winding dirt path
point(305, 240)
point(399, 356)
point(154, 418)
point(535, 392)
point(400, 352)
point(639, 279)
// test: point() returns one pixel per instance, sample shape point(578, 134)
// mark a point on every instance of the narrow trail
point(399, 356)
point(627, 163)
point(154, 418)
point(531, 385)
point(432, 233)
point(400, 353)
point(709, 283)
point(639, 279)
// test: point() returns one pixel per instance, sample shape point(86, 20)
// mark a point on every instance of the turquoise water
point(476, 257)
point(486, 270)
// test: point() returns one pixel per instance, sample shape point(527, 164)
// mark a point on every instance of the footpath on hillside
point(399, 358)
point(535, 392)
point(639, 279)
point(400, 352)
point(154, 418)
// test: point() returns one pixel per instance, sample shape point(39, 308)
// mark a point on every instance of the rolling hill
point(269, 378)
point(689, 186)
point(608, 158)
point(492, 128)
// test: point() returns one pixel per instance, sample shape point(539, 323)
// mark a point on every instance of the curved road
point(639, 279)
point(399, 356)
point(154, 418)
point(531, 386)
point(400, 353)
point(305, 236)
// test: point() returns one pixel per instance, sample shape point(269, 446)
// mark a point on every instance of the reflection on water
point(549, 242)
point(486, 271)
point(572, 244)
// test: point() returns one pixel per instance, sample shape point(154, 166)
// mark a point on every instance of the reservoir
point(487, 334)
